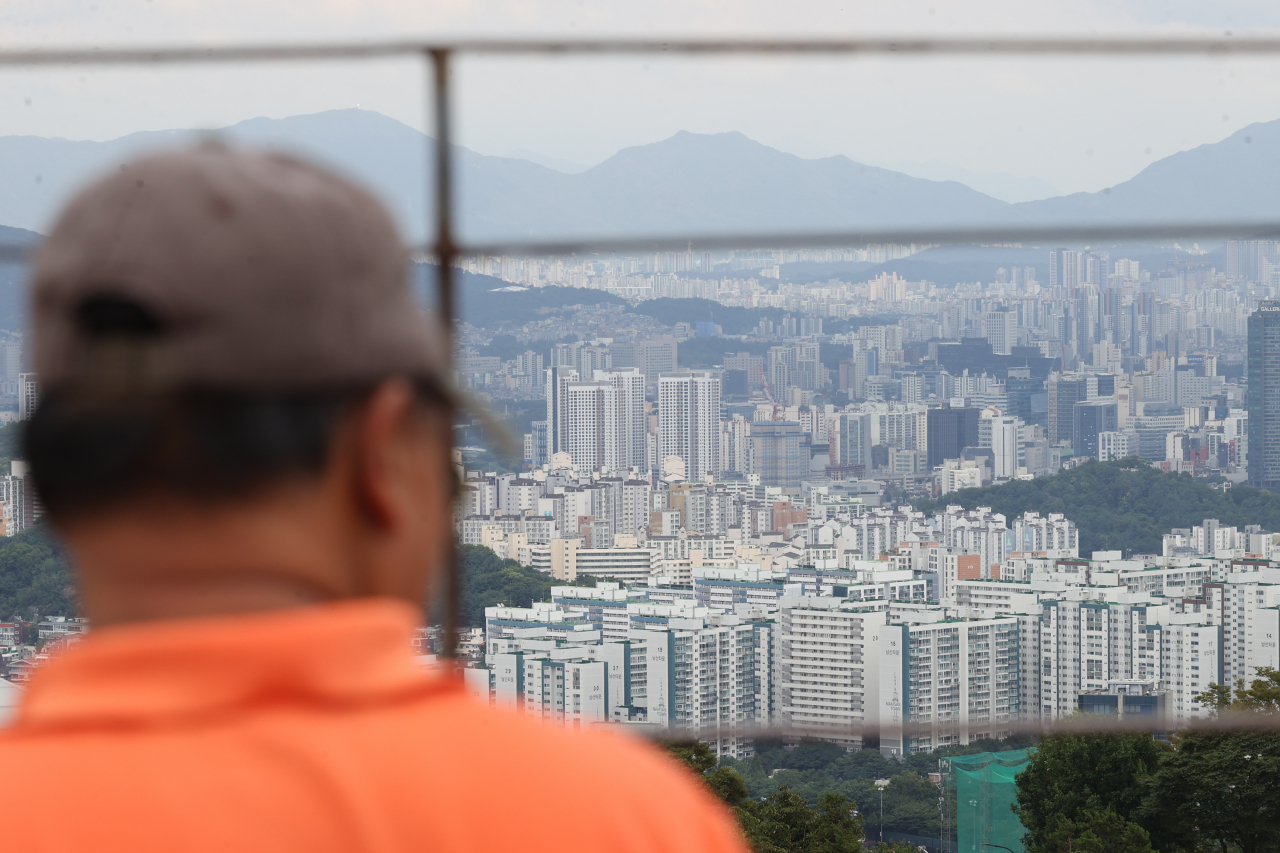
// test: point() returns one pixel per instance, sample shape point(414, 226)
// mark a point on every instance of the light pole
point(974, 803)
point(882, 784)
point(942, 821)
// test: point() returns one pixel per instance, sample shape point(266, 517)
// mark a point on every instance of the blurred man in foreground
point(244, 440)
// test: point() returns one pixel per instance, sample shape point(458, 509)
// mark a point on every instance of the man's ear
point(381, 443)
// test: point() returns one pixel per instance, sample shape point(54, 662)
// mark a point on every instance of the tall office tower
point(12, 352)
point(1071, 277)
point(1095, 269)
point(780, 453)
point(1113, 311)
point(28, 395)
point(1264, 396)
point(950, 431)
point(1064, 393)
point(1024, 396)
point(689, 421)
point(1055, 267)
point(1086, 319)
point(1006, 443)
point(1091, 417)
point(1002, 330)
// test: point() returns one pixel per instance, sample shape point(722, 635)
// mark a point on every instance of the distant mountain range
point(687, 184)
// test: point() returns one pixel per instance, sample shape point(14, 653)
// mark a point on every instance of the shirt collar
point(343, 653)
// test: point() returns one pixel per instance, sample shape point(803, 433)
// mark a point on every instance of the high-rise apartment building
point(829, 684)
point(851, 443)
point(780, 451)
point(1244, 258)
point(689, 421)
point(951, 681)
point(28, 395)
point(1264, 396)
point(558, 378)
point(599, 422)
point(735, 446)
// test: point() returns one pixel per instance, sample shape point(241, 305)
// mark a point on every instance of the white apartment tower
point(28, 395)
point(689, 421)
point(599, 422)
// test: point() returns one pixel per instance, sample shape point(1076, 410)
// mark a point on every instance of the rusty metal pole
point(450, 593)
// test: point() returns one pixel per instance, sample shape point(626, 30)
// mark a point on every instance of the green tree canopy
point(1219, 787)
point(785, 823)
point(1072, 774)
point(35, 576)
point(490, 581)
point(1096, 832)
point(1122, 506)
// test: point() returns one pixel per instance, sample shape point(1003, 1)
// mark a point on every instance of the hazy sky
point(1080, 124)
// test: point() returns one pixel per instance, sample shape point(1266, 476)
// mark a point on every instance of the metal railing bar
point(1033, 234)
point(1080, 723)
point(886, 46)
point(449, 595)
point(989, 236)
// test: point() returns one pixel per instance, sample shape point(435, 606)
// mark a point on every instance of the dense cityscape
point(732, 513)
point(911, 548)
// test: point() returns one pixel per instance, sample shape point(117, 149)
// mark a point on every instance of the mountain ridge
point(688, 183)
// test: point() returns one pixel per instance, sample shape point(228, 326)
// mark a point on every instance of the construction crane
point(768, 392)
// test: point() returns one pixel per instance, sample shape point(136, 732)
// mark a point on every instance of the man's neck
point(166, 562)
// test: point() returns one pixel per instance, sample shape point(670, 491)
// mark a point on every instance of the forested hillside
point(34, 576)
point(1122, 506)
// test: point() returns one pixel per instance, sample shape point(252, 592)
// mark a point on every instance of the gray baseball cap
point(255, 272)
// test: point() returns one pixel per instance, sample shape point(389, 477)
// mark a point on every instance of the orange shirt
point(314, 730)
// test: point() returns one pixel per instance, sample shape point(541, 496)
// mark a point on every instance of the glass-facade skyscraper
point(1264, 396)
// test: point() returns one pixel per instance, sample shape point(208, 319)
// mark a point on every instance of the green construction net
point(985, 792)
